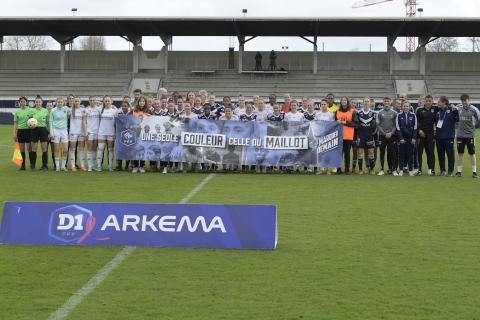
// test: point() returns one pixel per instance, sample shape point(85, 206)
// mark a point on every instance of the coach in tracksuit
point(406, 135)
point(445, 121)
point(386, 124)
point(426, 116)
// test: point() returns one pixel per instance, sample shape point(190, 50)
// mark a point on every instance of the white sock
point(57, 164)
point(459, 168)
point(90, 156)
point(72, 157)
point(101, 147)
point(110, 158)
point(474, 168)
point(64, 163)
point(82, 157)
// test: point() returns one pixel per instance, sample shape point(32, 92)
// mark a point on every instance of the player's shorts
point(76, 137)
point(60, 136)
point(366, 142)
point(23, 135)
point(469, 142)
point(92, 136)
point(106, 138)
point(39, 134)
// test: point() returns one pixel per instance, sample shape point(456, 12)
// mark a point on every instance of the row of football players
point(402, 136)
point(69, 125)
point(67, 128)
point(96, 126)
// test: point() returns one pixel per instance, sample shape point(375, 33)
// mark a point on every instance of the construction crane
point(410, 11)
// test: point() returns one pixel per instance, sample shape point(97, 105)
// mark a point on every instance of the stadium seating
point(453, 84)
point(48, 83)
point(355, 75)
point(297, 83)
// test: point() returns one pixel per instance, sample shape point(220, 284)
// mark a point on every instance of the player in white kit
point(261, 112)
point(324, 114)
point(294, 114)
point(77, 133)
point(106, 132)
point(91, 124)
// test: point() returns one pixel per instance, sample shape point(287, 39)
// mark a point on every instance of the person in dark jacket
point(273, 61)
point(445, 121)
point(258, 61)
point(407, 136)
point(426, 116)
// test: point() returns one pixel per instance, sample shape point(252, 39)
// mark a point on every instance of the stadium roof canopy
point(63, 28)
point(66, 29)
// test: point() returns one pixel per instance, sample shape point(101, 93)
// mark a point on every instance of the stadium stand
point(16, 83)
point(347, 73)
point(453, 83)
point(313, 73)
point(297, 83)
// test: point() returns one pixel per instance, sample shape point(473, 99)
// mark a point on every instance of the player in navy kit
point(171, 112)
point(309, 112)
point(197, 105)
point(276, 116)
point(365, 118)
point(207, 114)
point(376, 109)
point(248, 115)
point(157, 109)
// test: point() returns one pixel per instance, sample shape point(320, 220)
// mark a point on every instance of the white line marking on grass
point(197, 188)
point(97, 279)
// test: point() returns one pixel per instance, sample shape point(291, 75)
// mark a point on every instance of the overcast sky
point(229, 8)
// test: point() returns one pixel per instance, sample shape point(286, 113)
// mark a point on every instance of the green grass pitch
point(356, 247)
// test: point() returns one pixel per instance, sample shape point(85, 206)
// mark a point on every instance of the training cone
point(17, 156)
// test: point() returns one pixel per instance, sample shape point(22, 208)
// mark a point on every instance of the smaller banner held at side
point(139, 224)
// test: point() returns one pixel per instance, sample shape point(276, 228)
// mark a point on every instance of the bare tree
point(475, 41)
point(27, 43)
point(445, 44)
point(92, 43)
